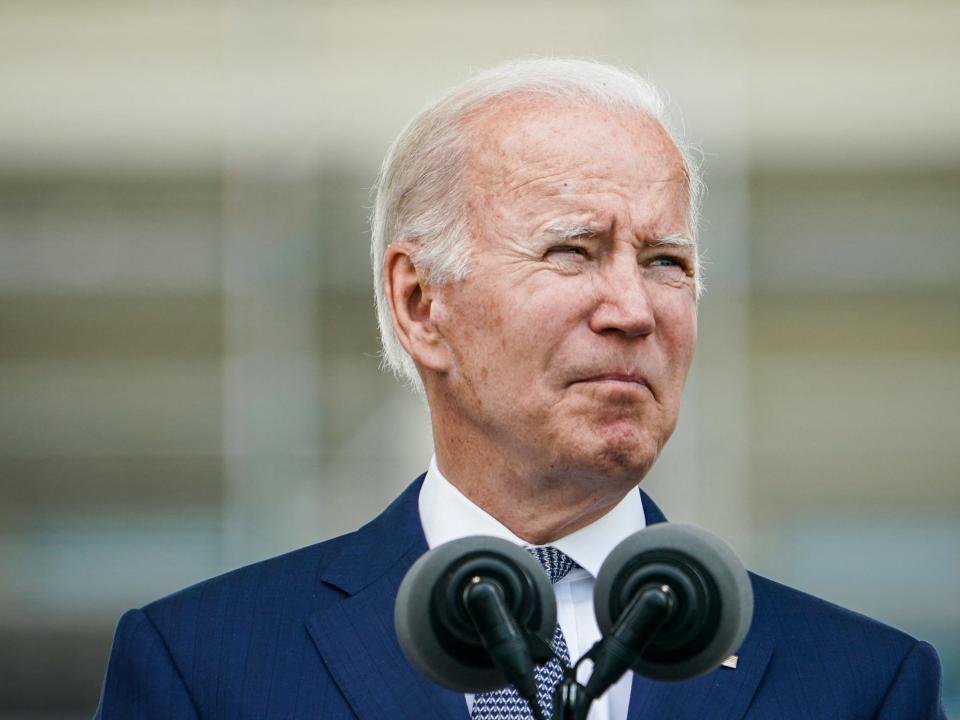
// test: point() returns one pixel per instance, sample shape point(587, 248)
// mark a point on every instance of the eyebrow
point(675, 240)
point(568, 231)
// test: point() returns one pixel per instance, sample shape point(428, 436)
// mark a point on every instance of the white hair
point(419, 197)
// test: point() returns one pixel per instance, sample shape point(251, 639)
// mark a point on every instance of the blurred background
point(188, 370)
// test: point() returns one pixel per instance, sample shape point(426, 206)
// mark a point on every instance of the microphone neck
point(612, 656)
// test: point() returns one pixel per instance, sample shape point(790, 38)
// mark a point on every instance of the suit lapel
point(354, 632)
point(723, 694)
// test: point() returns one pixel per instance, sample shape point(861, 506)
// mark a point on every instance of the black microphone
point(475, 614)
point(672, 602)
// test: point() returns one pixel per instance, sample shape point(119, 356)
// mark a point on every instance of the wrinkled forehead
point(520, 136)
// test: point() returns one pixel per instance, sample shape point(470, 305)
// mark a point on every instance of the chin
point(629, 449)
point(620, 449)
point(622, 463)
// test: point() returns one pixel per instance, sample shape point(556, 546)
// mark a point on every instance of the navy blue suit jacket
point(310, 635)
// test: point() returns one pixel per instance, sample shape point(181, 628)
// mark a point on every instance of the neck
point(540, 493)
point(538, 505)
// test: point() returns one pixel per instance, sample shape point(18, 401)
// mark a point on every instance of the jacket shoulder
point(827, 660)
point(800, 616)
point(288, 580)
point(287, 588)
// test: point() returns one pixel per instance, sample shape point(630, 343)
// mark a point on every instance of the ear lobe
point(411, 301)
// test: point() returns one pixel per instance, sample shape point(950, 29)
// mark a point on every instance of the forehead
point(519, 139)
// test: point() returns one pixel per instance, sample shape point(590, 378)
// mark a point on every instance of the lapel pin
point(731, 662)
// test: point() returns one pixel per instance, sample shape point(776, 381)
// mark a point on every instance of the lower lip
point(616, 382)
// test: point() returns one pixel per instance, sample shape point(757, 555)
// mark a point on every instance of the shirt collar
point(447, 514)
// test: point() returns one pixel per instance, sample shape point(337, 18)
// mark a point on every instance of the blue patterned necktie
point(506, 703)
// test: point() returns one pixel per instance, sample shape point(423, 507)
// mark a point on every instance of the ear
point(412, 306)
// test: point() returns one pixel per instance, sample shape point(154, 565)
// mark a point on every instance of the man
point(534, 249)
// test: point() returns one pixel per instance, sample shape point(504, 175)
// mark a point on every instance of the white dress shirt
point(446, 514)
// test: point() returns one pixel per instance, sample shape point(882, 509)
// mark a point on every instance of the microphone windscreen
point(433, 626)
point(714, 597)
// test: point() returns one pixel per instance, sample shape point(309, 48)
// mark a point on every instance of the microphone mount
point(476, 614)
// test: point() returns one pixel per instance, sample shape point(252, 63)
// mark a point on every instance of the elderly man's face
point(573, 334)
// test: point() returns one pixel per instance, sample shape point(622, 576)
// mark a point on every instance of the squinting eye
point(666, 261)
point(568, 250)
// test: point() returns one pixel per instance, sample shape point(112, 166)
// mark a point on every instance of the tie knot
point(556, 563)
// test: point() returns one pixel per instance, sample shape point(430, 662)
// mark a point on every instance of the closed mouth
point(626, 378)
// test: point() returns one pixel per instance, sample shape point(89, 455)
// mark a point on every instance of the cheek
point(546, 319)
point(477, 330)
point(678, 322)
point(512, 332)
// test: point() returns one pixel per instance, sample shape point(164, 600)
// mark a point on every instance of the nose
point(624, 305)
